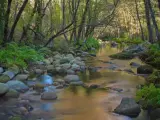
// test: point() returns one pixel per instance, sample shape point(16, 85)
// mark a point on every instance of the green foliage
point(153, 55)
point(13, 54)
point(154, 77)
point(89, 44)
point(149, 96)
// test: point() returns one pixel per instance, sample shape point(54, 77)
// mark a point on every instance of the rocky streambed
point(72, 87)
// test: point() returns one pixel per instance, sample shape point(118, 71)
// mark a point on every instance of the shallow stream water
point(77, 103)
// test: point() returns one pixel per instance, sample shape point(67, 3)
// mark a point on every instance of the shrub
point(149, 96)
point(13, 54)
point(154, 77)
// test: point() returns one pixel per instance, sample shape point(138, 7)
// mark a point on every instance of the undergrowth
point(13, 54)
point(149, 96)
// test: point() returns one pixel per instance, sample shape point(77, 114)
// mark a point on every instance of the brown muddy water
point(77, 103)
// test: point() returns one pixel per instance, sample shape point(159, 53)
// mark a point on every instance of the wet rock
point(14, 69)
point(49, 96)
point(26, 104)
point(115, 89)
point(71, 72)
point(128, 107)
point(78, 83)
point(133, 64)
point(94, 86)
point(46, 80)
point(10, 74)
point(75, 67)
point(60, 87)
point(21, 111)
point(60, 81)
point(72, 78)
point(18, 86)
point(66, 66)
point(155, 114)
point(129, 71)
point(22, 77)
point(114, 44)
point(12, 94)
point(1, 70)
point(70, 57)
point(112, 67)
point(4, 78)
point(3, 89)
point(39, 71)
point(50, 89)
point(123, 55)
point(145, 69)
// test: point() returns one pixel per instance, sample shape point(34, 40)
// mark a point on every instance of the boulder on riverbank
point(49, 96)
point(128, 107)
point(123, 55)
point(145, 69)
point(72, 78)
point(155, 114)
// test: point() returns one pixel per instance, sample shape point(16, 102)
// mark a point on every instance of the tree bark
point(154, 20)
point(147, 14)
point(139, 20)
point(7, 20)
point(10, 37)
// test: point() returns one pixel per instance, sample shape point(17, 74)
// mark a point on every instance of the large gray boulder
point(3, 89)
point(18, 86)
point(49, 96)
point(155, 114)
point(128, 107)
point(72, 78)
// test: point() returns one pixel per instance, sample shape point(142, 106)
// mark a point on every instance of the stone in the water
point(134, 64)
point(46, 80)
point(78, 83)
point(10, 74)
point(12, 93)
point(94, 86)
point(145, 69)
point(72, 78)
point(128, 107)
point(50, 89)
point(49, 96)
point(18, 86)
point(3, 89)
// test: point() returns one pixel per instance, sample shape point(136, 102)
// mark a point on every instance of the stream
point(78, 103)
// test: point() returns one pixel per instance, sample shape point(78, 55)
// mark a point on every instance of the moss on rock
point(123, 55)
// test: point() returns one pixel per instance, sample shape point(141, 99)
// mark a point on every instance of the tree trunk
point(2, 21)
point(139, 20)
point(147, 14)
point(81, 27)
point(154, 20)
point(10, 37)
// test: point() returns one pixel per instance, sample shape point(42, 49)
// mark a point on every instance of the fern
point(13, 54)
point(149, 96)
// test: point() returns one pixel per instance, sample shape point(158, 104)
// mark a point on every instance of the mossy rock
point(123, 55)
point(154, 77)
point(14, 69)
point(4, 78)
point(145, 69)
point(12, 94)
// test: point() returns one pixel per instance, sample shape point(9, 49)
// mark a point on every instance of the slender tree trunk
point(2, 21)
point(147, 14)
point(158, 4)
point(83, 20)
point(154, 20)
point(10, 37)
point(139, 20)
point(7, 20)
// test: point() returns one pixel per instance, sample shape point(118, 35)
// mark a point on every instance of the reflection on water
point(78, 103)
